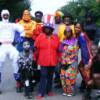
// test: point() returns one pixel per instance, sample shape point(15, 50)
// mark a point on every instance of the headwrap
point(4, 12)
point(58, 13)
point(26, 15)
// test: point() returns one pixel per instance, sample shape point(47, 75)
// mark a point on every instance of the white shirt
point(7, 31)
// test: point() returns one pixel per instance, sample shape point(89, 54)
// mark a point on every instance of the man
point(29, 25)
point(90, 27)
point(7, 33)
point(39, 25)
point(66, 22)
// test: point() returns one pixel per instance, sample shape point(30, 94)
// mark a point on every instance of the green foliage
point(16, 7)
point(80, 8)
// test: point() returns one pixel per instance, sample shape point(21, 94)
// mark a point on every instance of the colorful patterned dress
point(69, 65)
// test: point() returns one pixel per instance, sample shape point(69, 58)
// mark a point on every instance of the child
point(95, 73)
point(69, 62)
point(25, 69)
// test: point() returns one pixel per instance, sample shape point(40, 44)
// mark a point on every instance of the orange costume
point(29, 25)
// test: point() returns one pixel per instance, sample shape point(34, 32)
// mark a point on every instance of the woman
point(86, 58)
point(69, 62)
point(46, 46)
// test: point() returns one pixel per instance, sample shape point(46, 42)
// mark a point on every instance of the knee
point(96, 76)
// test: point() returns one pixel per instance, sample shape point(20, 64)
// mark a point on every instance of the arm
point(84, 49)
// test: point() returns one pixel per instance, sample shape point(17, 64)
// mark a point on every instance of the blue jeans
point(46, 80)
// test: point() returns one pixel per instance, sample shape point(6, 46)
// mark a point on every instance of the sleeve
point(84, 49)
point(20, 29)
point(36, 48)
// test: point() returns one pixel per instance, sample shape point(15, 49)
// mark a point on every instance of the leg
point(50, 78)
point(2, 59)
point(13, 53)
point(63, 80)
point(43, 80)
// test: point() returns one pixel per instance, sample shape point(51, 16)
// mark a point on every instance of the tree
point(15, 7)
point(80, 8)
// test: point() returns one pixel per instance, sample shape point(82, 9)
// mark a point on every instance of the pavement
point(9, 92)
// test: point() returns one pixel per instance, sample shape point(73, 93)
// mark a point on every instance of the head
point(78, 28)
point(48, 24)
point(5, 14)
point(26, 46)
point(66, 19)
point(38, 16)
point(58, 17)
point(94, 50)
point(26, 15)
point(68, 32)
point(89, 19)
point(48, 30)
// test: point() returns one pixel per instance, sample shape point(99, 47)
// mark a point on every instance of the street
point(9, 93)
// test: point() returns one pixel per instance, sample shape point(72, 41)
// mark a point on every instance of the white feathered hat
point(5, 11)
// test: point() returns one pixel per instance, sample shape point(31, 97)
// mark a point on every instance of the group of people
point(44, 43)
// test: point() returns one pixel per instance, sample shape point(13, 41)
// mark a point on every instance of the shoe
point(50, 94)
point(28, 97)
point(39, 97)
point(0, 92)
point(64, 94)
point(69, 95)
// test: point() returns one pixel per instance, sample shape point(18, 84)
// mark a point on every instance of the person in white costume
point(7, 33)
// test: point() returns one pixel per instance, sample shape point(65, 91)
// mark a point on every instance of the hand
point(86, 67)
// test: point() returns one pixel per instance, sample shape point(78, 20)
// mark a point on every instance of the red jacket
point(47, 50)
point(37, 31)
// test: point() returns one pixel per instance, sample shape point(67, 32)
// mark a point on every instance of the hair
point(81, 24)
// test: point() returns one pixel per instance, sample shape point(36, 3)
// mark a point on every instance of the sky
point(47, 6)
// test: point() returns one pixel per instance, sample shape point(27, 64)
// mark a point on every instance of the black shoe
point(0, 92)
point(28, 97)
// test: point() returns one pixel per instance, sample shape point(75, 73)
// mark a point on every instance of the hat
point(58, 13)
point(39, 13)
point(4, 12)
point(48, 21)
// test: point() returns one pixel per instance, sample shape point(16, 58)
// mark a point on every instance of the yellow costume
point(61, 30)
point(28, 24)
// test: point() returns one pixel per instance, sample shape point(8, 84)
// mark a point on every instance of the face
point(26, 16)
point(94, 50)
point(26, 45)
point(5, 16)
point(78, 28)
point(38, 18)
point(58, 19)
point(66, 20)
point(48, 30)
point(68, 34)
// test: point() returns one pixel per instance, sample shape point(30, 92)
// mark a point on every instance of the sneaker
point(39, 97)
point(28, 97)
point(69, 95)
point(50, 94)
point(64, 94)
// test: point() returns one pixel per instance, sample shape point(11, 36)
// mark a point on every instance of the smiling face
point(26, 45)
point(78, 28)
